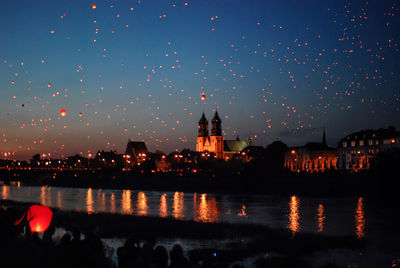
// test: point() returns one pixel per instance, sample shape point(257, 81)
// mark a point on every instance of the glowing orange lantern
point(203, 96)
point(39, 218)
point(63, 112)
point(94, 6)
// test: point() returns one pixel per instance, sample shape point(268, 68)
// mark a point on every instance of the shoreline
point(315, 185)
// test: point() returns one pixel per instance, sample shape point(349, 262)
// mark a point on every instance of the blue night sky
point(137, 69)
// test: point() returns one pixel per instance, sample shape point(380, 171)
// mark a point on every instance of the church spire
point(250, 141)
point(203, 126)
point(324, 137)
point(216, 125)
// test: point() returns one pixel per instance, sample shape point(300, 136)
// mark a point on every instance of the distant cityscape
point(354, 152)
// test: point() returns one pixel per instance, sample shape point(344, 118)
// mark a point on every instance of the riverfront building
point(356, 150)
point(136, 152)
point(312, 157)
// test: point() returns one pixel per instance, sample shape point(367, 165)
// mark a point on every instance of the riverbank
point(332, 184)
point(248, 239)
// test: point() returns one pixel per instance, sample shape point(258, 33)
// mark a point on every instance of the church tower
point(203, 126)
point(203, 140)
point(216, 139)
point(216, 125)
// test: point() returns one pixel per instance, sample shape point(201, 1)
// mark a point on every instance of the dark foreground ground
point(142, 233)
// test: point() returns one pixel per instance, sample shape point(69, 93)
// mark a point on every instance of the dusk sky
point(277, 70)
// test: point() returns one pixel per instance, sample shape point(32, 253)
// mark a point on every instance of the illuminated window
point(353, 143)
point(387, 141)
point(370, 142)
point(344, 144)
point(361, 143)
point(377, 142)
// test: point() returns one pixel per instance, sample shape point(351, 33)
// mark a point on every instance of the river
point(336, 216)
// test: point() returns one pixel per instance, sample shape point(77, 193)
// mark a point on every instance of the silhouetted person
point(148, 251)
point(177, 258)
point(160, 257)
point(49, 258)
point(129, 254)
point(48, 234)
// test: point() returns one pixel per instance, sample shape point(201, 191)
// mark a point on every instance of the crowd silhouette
point(84, 248)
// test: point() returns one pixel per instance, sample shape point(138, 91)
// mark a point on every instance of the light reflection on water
point(89, 201)
point(142, 206)
point(112, 203)
point(178, 206)
point(163, 206)
point(205, 209)
point(5, 192)
point(59, 200)
point(126, 202)
point(294, 215)
point(321, 218)
point(297, 214)
point(360, 218)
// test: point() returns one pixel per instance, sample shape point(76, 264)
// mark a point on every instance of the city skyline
point(138, 70)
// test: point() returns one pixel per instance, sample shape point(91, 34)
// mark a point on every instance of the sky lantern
point(63, 112)
point(49, 85)
point(203, 96)
point(39, 218)
point(94, 6)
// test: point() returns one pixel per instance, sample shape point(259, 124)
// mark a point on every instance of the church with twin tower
point(215, 143)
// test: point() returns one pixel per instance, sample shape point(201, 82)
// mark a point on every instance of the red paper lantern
point(203, 96)
point(63, 112)
point(39, 218)
point(94, 6)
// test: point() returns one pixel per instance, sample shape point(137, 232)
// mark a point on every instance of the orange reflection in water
point(89, 201)
point(294, 216)
point(242, 212)
point(178, 206)
point(205, 209)
point(142, 207)
point(45, 196)
point(5, 192)
point(126, 202)
point(112, 203)
point(163, 206)
point(321, 218)
point(59, 200)
point(360, 218)
point(101, 201)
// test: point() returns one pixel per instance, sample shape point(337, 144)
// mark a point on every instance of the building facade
point(135, 153)
point(313, 157)
point(222, 149)
point(356, 150)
